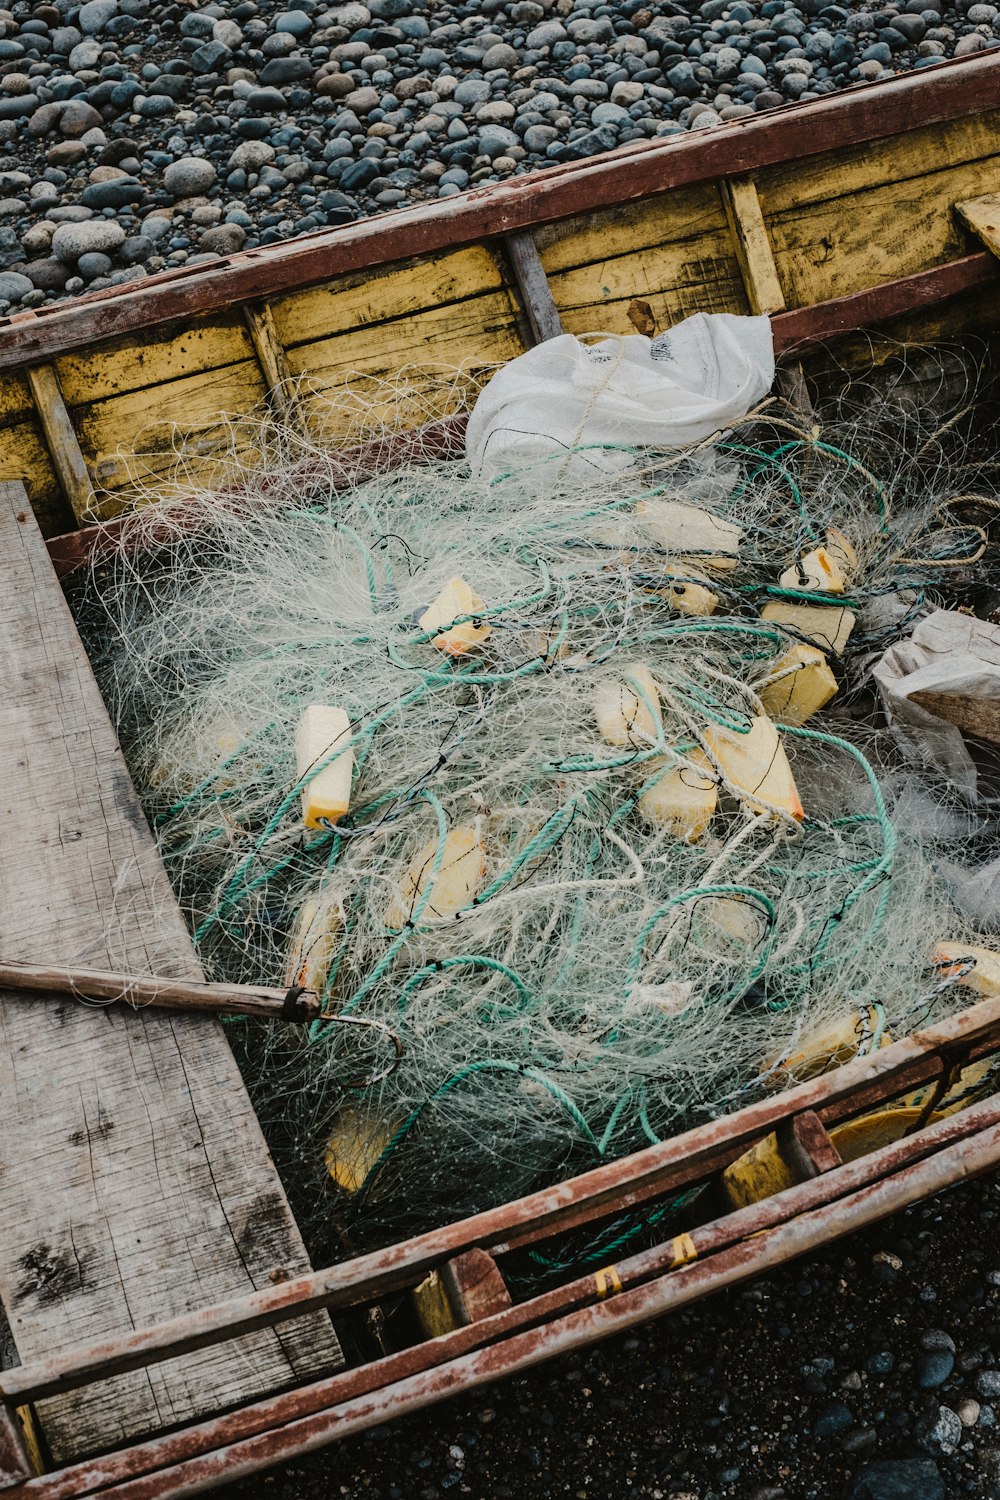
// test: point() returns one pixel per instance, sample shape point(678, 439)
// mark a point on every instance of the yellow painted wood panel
point(796, 184)
point(676, 280)
point(382, 296)
point(688, 213)
point(830, 249)
point(15, 398)
point(24, 456)
point(153, 358)
point(154, 425)
point(422, 350)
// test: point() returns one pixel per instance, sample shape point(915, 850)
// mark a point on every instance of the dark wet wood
point(977, 717)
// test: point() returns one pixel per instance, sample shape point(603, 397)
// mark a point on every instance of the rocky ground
point(870, 1372)
point(137, 135)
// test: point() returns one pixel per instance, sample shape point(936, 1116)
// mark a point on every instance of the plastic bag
point(947, 653)
point(591, 403)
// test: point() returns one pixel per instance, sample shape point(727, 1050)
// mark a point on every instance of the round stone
point(155, 228)
point(93, 264)
point(38, 239)
point(363, 101)
point(224, 239)
point(933, 1368)
point(95, 15)
point(136, 249)
point(190, 177)
point(335, 85)
point(101, 236)
point(500, 55)
point(78, 117)
point(85, 55)
point(250, 156)
point(13, 286)
point(49, 275)
point(296, 22)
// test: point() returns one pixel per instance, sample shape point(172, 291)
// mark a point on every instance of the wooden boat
point(170, 1330)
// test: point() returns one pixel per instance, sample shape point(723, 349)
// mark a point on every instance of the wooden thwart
point(532, 284)
point(753, 245)
point(61, 439)
point(137, 1185)
point(140, 990)
point(982, 216)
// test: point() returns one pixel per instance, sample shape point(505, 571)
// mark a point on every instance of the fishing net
point(584, 887)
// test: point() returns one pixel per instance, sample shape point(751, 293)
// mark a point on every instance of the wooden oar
point(978, 717)
point(167, 994)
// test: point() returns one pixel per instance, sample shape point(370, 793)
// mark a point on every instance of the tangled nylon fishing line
point(593, 891)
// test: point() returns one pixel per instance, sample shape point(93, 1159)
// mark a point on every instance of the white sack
point(678, 388)
point(947, 653)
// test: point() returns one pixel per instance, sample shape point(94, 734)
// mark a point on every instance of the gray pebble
point(71, 241)
point(834, 1419)
point(295, 22)
point(191, 177)
point(933, 1368)
point(93, 264)
point(608, 114)
point(251, 155)
point(224, 239)
point(118, 193)
point(937, 1338)
point(136, 249)
point(500, 55)
point(584, 31)
point(546, 35)
point(210, 57)
point(95, 15)
point(155, 229)
point(946, 1432)
point(85, 55)
point(78, 117)
point(14, 286)
point(49, 274)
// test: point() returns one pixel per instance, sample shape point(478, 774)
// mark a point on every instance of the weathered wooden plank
point(136, 1183)
point(674, 252)
point(978, 717)
point(851, 221)
point(14, 1461)
point(383, 295)
point(469, 336)
point(924, 296)
point(596, 299)
point(139, 362)
point(982, 216)
point(813, 179)
point(685, 214)
point(271, 358)
point(15, 398)
point(140, 435)
point(752, 245)
point(533, 288)
point(61, 440)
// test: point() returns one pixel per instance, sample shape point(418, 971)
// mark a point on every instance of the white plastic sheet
point(947, 653)
point(592, 402)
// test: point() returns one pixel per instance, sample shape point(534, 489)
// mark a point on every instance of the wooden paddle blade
point(978, 717)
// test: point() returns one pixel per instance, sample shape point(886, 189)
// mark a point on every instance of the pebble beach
point(137, 137)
